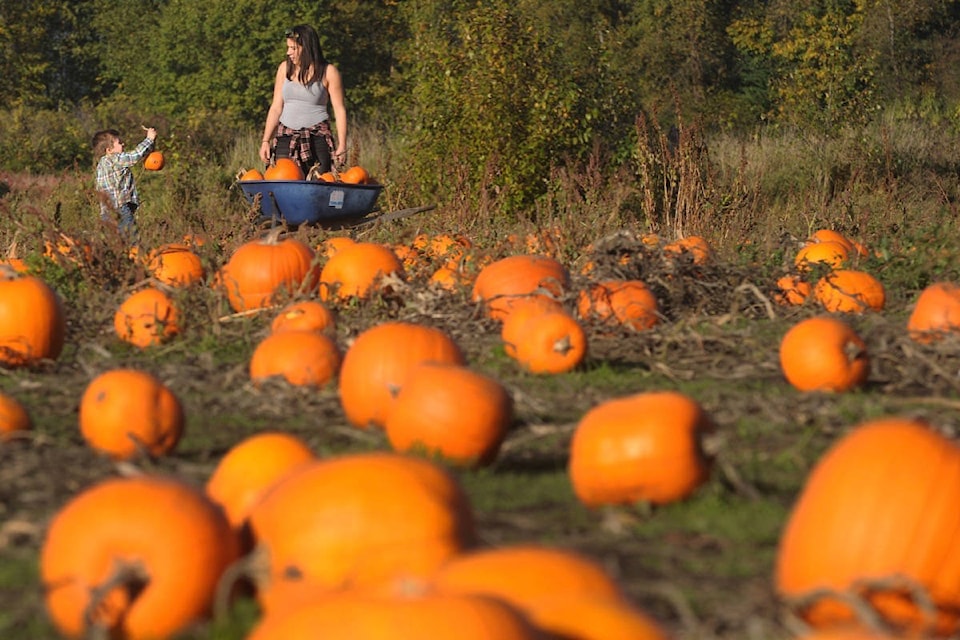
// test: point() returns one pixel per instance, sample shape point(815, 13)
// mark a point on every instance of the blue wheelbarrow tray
point(299, 202)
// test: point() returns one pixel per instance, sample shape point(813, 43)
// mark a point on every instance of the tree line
point(515, 84)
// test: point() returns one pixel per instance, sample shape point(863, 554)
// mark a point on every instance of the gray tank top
point(303, 106)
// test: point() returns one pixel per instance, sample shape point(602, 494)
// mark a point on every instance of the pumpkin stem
point(106, 610)
point(563, 345)
point(273, 236)
point(853, 352)
point(252, 568)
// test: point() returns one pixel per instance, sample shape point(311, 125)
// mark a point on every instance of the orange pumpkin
point(695, 246)
point(175, 265)
point(936, 313)
point(446, 278)
point(530, 577)
point(792, 290)
point(134, 557)
point(500, 283)
point(250, 174)
point(359, 615)
point(329, 247)
point(147, 318)
point(452, 411)
point(823, 354)
point(547, 343)
point(829, 235)
point(850, 291)
point(377, 364)
point(125, 413)
point(357, 269)
point(596, 619)
point(831, 254)
point(853, 632)
point(13, 417)
point(358, 520)
point(523, 308)
point(154, 161)
point(262, 271)
point(647, 446)
point(355, 175)
point(629, 303)
point(251, 468)
point(308, 315)
point(283, 169)
point(879, 511)
point(32, 321)
point(302, 357)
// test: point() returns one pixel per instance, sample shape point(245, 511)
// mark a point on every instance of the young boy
point(115, 184)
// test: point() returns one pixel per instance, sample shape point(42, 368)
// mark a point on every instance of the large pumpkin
point(378, 362)
point(359, 520)
point(879, 516)
point(644, 447)
point(499, 284)
point(135, 558)
point(261, 271)
point(32, 320)
point(452, 411)
point(283, 169)
point(850, 291)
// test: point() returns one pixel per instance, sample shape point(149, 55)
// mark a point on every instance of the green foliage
point(491, 100)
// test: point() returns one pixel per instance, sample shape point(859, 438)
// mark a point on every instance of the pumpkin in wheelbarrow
point(355, 175)
point(283, 169)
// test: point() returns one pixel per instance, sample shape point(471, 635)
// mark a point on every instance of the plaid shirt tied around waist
point(300, 141)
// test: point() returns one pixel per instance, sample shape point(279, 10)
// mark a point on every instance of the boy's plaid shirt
point(115, 178)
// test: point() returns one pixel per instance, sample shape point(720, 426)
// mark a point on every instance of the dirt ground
point(717, 341)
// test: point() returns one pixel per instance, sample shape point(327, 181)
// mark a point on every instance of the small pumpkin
point(792, 290)
point(260, 272)
point(304, 315)
point(356, 270)
point(628, 303)
point(936, 313)
point(829, 235)
point(302, 357)
point(695, 246)
point(176, 265)
point(249, 174)
point(546, 343)
point(829, 253)
point(355, 175)
point(451, 411)
point(283, 169)
point(14, 417)
point(147, 318)
point(126, 413)
point(898, 479)
point(823, 354)
point(154, 161)
point(32, 320)
point(644, 447)
point(134, 557)
point(850, 291)
point(329, 247)
point(250, 468)
point(377, 364)
point(500, 283)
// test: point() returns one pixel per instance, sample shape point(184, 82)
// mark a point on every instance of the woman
point(298, 122)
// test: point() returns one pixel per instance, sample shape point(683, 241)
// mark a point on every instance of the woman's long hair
point(311, 55)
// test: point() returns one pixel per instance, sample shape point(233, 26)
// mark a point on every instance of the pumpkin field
point(441, 390)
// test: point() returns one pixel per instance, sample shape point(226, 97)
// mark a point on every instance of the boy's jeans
point(128, 225)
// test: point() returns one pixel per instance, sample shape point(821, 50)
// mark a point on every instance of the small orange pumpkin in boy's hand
point(154, 161)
